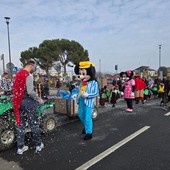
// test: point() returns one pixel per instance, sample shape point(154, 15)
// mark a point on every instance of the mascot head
point(85, 70)
point(128, 74)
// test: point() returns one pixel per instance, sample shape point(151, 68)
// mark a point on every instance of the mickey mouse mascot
point(128, 89)
point(88, 90)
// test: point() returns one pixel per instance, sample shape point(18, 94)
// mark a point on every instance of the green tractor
point(48, 121)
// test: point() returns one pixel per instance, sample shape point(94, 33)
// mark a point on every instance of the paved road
point(136, 141)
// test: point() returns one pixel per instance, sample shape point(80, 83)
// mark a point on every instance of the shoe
point(165, 108)
point(39, 148)
point(137, 102)
point(129, 110)
point(83, 131)
point(113, 105)
point(143, 102)
point(21, 151)
point(88, 137)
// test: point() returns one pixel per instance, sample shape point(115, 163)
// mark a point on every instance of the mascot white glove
point(132, 94)
point(85, 95)
point(122, 93)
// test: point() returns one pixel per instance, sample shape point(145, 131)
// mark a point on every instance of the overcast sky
point(122, 32)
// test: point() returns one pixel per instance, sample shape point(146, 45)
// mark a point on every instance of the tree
point(70, 52)
point(78, 53)
point(65, 52)
point(48, 54)
point(26, 55)
point(57, 67)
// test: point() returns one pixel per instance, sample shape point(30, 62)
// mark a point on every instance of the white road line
point(111, 149)
point(167, 114)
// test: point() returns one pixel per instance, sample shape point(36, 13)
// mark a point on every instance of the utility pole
point(160, 55)
point(7, 22)
point(160, 72)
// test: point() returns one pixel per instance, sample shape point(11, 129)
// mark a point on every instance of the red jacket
point(139, 84)
point(19, 85)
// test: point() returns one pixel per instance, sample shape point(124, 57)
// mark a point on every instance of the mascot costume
point(128, 89)
point(88, 90)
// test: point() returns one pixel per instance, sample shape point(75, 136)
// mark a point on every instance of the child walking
point(115, 95)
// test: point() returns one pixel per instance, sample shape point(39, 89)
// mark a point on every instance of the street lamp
point(160, 72)
point(160, 56)
point(10, 64)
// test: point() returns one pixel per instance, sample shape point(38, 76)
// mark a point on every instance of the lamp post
point(160, 55)
point(160, 72)
point(7, 22)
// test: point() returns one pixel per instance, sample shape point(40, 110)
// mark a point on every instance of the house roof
point(144, 68)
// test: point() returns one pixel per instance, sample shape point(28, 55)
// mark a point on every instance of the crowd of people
point(130, 87)
point(5, 84)
point(143, 88)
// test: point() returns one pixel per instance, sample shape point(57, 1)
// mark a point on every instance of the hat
point(116, 86)
point(129, 72)
point(85, 64)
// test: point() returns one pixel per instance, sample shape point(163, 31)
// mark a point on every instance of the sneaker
point(39, 148)
point(21, 151)
point(165, 108)
point(129, 110)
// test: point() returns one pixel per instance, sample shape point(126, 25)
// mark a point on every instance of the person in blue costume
point(88, 91)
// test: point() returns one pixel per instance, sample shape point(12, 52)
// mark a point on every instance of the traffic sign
point(15, 69)
point(141, 70)
point(116, 67)
point(9, 66)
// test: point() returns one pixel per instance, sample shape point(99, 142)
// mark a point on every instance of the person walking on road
point(115, 95)
point(103, 97)
point(139, 89)
point(25, 103)
point(128, 89)
point(161, 93)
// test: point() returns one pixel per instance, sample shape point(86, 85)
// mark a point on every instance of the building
point(145, 71)
point(168, 72)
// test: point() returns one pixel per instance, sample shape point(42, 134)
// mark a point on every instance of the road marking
point(111, 149)
point(167, 114)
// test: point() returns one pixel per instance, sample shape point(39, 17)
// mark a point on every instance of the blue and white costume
point(86, 105)
point(87, 92)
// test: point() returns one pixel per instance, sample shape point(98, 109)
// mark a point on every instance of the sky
point(126, 33)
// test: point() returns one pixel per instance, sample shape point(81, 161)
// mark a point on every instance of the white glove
point(122, 93)
point(85, 95)
point(132, 94)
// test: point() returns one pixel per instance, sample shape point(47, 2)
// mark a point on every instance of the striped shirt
point(93, 90)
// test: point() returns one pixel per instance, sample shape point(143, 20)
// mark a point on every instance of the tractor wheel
point(95, 113)
point(7, 137)
point(48, 124)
